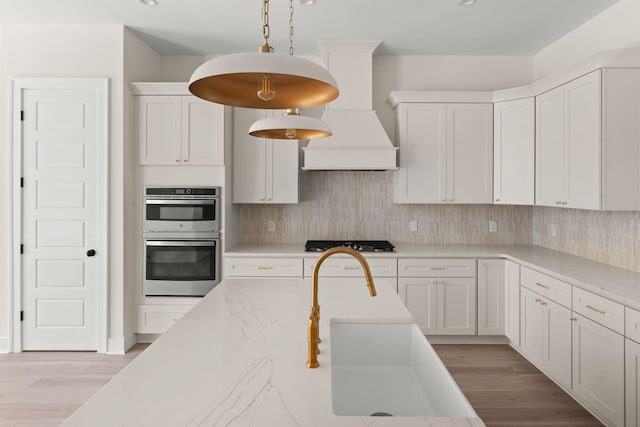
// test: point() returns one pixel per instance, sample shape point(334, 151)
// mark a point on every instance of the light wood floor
point(44, 388)
point(506, 390)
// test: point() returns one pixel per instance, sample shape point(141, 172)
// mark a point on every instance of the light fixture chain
point(266, 31)
point(291, 27)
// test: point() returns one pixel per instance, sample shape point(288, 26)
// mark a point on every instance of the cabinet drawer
point(436, 267)
point(599, 309)
point(263, 267)
point(632, 324)
point(547, 286)
point(157, 319)
point(350, 267)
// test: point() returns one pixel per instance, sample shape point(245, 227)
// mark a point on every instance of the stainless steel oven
point(182, 209)
point(180, 266)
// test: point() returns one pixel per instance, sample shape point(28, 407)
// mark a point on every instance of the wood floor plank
point(506, 390)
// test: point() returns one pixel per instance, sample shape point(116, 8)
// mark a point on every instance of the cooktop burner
point(358, 245)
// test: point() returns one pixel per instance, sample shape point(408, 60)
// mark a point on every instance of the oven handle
point(180, 242)
point(180, 202)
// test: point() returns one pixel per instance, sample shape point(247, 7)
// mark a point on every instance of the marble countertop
point(615, 283)
point(238, 359)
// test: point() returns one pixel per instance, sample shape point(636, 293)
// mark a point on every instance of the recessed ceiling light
point(149, 2)
point(466, 2)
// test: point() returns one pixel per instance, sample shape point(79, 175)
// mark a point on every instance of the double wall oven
point(181, 232)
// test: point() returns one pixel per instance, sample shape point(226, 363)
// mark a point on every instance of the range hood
point(359, 142)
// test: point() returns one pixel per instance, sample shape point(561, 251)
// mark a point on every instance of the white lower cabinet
point(491, 296)
point(546, 335)
point(441, 306)
point(158, 318)
point(512, 302)
point(262, 267)
point(632, 383)
point(598, 370)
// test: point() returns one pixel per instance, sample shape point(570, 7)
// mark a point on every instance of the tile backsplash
point(359, 205)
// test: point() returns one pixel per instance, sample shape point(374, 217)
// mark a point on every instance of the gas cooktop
point(358, 245)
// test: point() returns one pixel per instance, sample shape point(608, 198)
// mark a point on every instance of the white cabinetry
point(262, 267)
point(632, 367)
point(158, 318)
point(512, 302)
point(175, 128)
point(491, 296)
point(264, 170)
point(513, 151)
point(439, 299)
point(588, 142)
point(598, 355)
point(383, 270)
point(446, 153)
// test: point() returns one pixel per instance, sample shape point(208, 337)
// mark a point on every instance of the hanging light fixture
point(263, 79)
point(291, 125)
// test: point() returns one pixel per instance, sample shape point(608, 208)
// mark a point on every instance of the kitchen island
point(238, 359)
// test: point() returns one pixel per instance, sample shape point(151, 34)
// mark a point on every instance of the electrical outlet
point(272, 225)
point(493, 227)
point(413, 225)
point(554, 230)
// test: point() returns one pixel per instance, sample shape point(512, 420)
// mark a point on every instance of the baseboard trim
point(121, 345)
point(148, 338)
point(4, 345)
point(467, 339)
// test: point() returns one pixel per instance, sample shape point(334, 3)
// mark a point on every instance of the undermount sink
point(390, 369)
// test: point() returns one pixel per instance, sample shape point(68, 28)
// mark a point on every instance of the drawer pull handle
point(351, 267)
point(597, 310)
point(265, 267)
point(538, 300)
point(437, 268)
point(542, 286)
point(573, 318)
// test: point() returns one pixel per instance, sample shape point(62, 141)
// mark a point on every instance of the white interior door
point(63, 130)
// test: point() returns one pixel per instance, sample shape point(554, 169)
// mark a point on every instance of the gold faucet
point(314, 317)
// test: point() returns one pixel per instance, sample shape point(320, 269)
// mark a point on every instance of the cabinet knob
point(434, 282)
point(185, 160)
point(564, 203)
point(262, 199)
point(451, 200)
point(573, 318)
point(497, 200)
point(558, 202)
point(177, 160)
point(444, 200)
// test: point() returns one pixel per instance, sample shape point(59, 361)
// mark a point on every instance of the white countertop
point(238, 359)
point(615, 283)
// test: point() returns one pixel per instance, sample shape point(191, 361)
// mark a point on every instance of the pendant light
point(263, 79)
point(291, 125)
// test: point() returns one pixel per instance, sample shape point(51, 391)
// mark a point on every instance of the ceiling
point(421, 27)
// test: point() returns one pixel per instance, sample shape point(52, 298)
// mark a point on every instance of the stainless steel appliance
point(180, 267)
point(181, 232)
point(181, 209)
point(358, 245)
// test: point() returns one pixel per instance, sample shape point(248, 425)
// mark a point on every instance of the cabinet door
point(422, 135)
point(456, 306)
point(632, 383)
point(202, 132)
point(550, 149)
point(598, 369)
point(512, 302)
point(419, 295)
point(158, 129)
point(557, 342)
point(513, 151)
point(491, 296)
point(531, 326)
point(282, 167)
point(469, 153)
point(582, 100)
point(249, 158)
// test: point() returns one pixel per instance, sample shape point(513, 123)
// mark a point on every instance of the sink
point(390, 369)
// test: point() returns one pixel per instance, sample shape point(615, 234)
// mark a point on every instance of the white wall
point(614, 29)
point(64, 51)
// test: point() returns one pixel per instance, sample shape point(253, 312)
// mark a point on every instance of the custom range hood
point(359, 142)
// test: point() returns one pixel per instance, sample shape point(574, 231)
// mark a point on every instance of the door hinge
point(21, 316)
point(22, 115)
point(22, 182)
point(21, 248)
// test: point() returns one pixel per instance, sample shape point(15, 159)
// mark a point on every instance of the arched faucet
point(314, 317)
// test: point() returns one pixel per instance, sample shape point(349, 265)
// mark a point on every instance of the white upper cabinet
point(513, 151)
point(173, 128)
point(446, 153)
point(587, 142)
point(264, 170)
